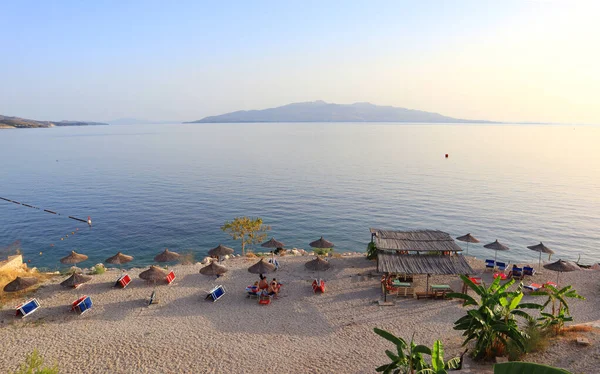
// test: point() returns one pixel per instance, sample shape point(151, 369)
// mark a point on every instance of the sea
point(151, 187)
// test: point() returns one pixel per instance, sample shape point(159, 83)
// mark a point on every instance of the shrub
point(535, 341)
point(371, 251)
point(322, 251)
point(98, 269)
point(34, 364)
point(493, 323)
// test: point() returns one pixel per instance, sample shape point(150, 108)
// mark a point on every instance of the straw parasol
point(166, 256)
point(75, 280)
point(562, 266)
point(321, 243)
point(468, 239)
point(272, 244)
point(220, 250)
point(154, 273)
point(213, 269)
point(73, 258)
point(262, 267)
point(119, 259)
point(496, 246)
point(318, 264)
point(20, 284)
point(542, 249)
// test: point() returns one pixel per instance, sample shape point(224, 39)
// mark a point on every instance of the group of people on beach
point(269, 288)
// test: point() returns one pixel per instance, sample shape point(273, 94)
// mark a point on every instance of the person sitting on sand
point(273, 288)
point(263, 285)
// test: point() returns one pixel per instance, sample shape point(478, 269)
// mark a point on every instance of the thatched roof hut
point(393, 263)
point(414, 241)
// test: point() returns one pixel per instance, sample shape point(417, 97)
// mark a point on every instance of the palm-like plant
point(403, 362)
point(438, 366)
point(493, 321)
point(558, 317)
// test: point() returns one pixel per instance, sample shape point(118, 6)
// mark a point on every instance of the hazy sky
point(496, 60)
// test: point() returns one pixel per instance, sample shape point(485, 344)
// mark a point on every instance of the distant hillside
point(20, 123)
point(320, 111)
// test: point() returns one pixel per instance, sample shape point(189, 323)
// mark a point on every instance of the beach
point(299, 332)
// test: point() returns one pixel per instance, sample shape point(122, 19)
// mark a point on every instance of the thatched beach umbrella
point(496, 246)
point(468, 239)
point(75, 280)
point(321, 243)
point(213, 269)
point(562, 266)
point(20, 283)
point(73, 258)
point(166, 256)
point(262, 267)
point(119, 259)
point(542, 249)
point(272, 244)
point(318, 264)
point(220, 251)
point(154, 273)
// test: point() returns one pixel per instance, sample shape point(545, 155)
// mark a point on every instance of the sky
point(530, 61)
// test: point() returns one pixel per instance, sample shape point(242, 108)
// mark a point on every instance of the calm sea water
point(172, 186)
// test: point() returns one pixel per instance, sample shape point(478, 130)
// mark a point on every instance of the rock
point(206, 261)
point(98, 265)
point(582, 341)
point(75, 269)
point(226, 257)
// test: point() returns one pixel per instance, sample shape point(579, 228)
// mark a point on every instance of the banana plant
point(407, 358)
point(438, 366)
point(493, 320)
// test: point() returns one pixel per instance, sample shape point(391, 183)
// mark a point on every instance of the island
point(321, 111)
point(23, 123)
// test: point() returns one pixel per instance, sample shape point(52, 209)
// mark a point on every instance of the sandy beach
point(300, 332)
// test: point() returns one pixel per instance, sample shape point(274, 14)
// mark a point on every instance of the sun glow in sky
point(533, 61)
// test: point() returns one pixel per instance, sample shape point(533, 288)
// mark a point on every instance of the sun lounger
point(216, 293)
point(170, 277)
point(528, 270)
point(516, 272)
point(123, 281)
point(502, 276)
point(318, 285)
point(490, 264)
point(537, 286)
point(252, 291)
point(264, 298)
point(82, 305)
point(27, 308)
point(501, 265)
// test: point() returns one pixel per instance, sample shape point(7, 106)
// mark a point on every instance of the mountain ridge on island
point(321, 111)
point(7, 122)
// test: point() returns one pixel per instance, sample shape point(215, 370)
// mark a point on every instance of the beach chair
point(550, 283)
point(216, 293)
point(252, 291)
point(123, 281)
point(490, 264)
point(528, 270)
point(516, 272)
point(27, 308)
point(153, 299)
point(170, 277)
point(318, 285)
point(502, 276)
point(533, 287)
point(501, 265)
point(82, 305)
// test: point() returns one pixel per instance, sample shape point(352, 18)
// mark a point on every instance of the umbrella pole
point(427, 289)
point(467, 248)
point(495, 258)
point(540, 263)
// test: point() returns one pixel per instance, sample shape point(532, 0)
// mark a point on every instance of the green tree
point(556, 320)
point(493, 323)
point(438, 365)
point(248, 230)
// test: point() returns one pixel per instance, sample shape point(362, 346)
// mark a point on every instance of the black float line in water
point(88, 221)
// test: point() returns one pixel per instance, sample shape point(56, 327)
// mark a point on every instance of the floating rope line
point(88, 221)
